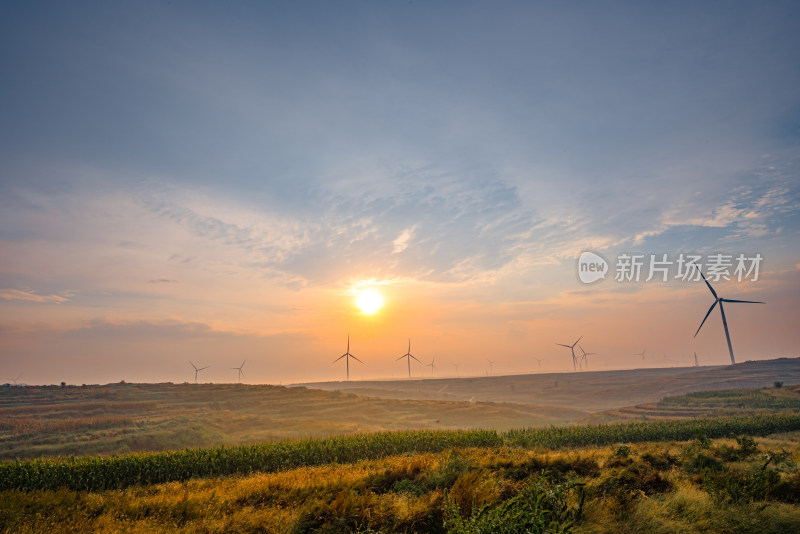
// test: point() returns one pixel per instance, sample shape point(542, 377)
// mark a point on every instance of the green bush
point(541, 507)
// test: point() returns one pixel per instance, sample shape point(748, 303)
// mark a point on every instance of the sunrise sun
point(369, 301)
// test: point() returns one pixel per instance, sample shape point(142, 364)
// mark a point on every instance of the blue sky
point(208, 169)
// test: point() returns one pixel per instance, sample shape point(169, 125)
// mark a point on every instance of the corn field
point(674, 430)
point(111, 472)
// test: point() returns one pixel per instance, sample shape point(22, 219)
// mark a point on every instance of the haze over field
point(222, 182)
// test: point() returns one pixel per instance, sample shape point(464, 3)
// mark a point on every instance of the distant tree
point(63, 384)
point(778, 384)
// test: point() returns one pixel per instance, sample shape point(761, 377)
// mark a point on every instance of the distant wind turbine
point(719, 300)
point(198, 369)
point(491, 365)
point(407, 355)
point(15, 379)
point(431, 365)
point(347, 356)
point(456, 366)
point(696, 363)
point(540, 360)
point(239, 369)
point(640, 353)
point(585, 354)
point(572, 348)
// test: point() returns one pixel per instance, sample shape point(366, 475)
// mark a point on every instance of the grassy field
point(700, 485)
point(707, 404)
point(120, 418)
point(716, 461)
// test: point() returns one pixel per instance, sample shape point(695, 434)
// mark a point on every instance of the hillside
point(119, 418)
point(590, 391)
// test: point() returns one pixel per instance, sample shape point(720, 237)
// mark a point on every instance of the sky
point(216, 182)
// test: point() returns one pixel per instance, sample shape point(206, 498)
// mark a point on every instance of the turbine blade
point(414, 357)
point(704, 318)
point(356, 359)
point(562, 345)
point(577, 341)
point(401, 357)
point(745, 301)
point(336, 360)
point(709, 286)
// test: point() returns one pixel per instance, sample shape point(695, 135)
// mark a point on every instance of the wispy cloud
point(401, 243)
point(31, 296)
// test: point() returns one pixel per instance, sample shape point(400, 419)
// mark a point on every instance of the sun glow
point(369, 301)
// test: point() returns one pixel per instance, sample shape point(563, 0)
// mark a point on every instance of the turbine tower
point(696, 363)
point(347, 356)
point(572, 348)
point(240, 371)
point(198, 369)
point(719, 300)
point(407, 355)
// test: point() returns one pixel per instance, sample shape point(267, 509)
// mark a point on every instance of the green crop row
point(674, 430)
point(109, 472)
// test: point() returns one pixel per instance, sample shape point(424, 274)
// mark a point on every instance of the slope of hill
point(118, 418)
point(707, 404)
point(591, 391)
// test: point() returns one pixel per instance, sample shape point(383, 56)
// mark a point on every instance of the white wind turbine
point(197, 369)
point(572, 349)
point(585, 354)
point(432, 365)
point(407, 355)
point(240, 371)
point(347, 356)
point(719, 300)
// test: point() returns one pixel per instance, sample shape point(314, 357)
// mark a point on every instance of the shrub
point(538, 508)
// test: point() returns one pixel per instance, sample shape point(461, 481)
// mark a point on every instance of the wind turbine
point(491, 365)
point(585, 354)
point(640, 353)
point(540, 360)
point(572, 348)
point(719, 300)
point(15, 379)
point(456, 366)
point(347, 356)
point(696, 363)
point(407, 355)
point(198, 369)
point(238, 368)
point(431, 365)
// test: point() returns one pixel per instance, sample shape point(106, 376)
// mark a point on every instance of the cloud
point(30, 296)
point(162, 281)
point(401, 243)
